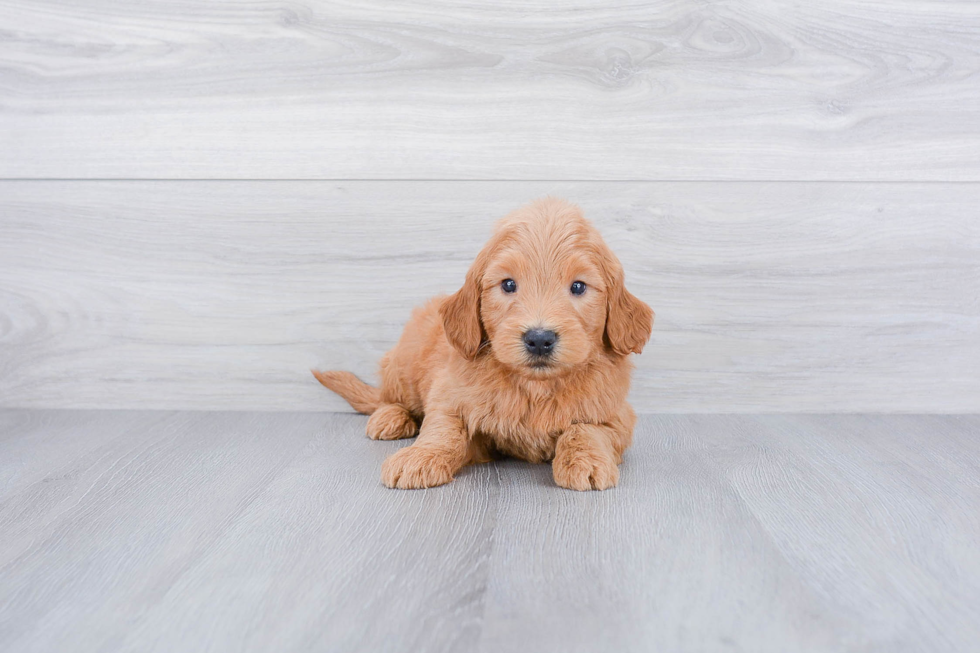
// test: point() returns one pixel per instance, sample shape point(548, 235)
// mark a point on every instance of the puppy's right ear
point(461, 311)
point(461, 317)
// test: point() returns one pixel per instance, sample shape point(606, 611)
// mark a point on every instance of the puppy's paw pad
point(585, 472)
point(391, 422)
point(414, 468)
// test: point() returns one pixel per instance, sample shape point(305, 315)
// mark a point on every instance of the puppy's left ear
point(628, 320)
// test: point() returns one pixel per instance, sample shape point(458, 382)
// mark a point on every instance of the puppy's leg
point(586, 457)
point(442, 449)
point(391, 422)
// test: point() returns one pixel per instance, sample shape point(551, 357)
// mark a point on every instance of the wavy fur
point(462, 380)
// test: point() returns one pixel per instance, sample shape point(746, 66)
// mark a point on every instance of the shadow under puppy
point(529, 359)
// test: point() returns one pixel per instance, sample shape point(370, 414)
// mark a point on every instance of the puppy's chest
point(522, 426)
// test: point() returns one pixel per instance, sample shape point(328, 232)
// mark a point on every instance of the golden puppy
point(529, 359)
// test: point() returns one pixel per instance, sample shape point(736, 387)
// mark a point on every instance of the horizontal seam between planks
point(488, 181)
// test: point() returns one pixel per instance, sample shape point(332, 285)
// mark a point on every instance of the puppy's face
point(546, 295)
point(543, 304)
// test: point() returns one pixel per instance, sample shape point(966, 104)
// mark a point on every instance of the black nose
point(540, 342)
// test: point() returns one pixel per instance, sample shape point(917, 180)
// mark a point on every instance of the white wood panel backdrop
point(769, 296)
point(847, 292)
point(490, 89)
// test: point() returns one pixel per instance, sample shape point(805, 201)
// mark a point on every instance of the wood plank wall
point(199, 202)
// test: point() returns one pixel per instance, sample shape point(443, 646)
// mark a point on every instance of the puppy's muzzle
point(540, 343)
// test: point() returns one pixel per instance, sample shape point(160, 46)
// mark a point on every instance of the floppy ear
point(628, 320)
point(461, 317)
point(461, 311)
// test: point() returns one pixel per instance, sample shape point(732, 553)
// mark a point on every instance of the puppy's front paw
point(416, 467)
point(584, 471)
point(391, 422)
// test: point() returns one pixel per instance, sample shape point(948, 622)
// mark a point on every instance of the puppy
point(530, 359)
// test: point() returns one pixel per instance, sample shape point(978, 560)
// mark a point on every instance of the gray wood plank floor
point(491, 89)
point(156, 531)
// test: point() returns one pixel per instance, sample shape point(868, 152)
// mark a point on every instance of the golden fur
point(461, 369)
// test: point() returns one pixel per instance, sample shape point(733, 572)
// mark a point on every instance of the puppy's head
point(547, 295)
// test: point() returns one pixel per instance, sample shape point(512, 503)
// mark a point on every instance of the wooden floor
point(192, 531)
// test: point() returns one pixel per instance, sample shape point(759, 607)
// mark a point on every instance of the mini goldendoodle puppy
point(529, 359)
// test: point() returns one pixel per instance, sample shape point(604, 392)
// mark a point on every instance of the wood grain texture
point(774, 533)
point(258, 532)
point(841, 89)
point(222, 295)
point(162, 493)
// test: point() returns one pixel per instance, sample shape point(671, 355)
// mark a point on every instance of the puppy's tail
point(362, 397)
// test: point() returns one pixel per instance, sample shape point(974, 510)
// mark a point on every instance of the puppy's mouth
point(542, 366)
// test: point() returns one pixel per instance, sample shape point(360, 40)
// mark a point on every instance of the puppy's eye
point(508, 285)
point(578, 287)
